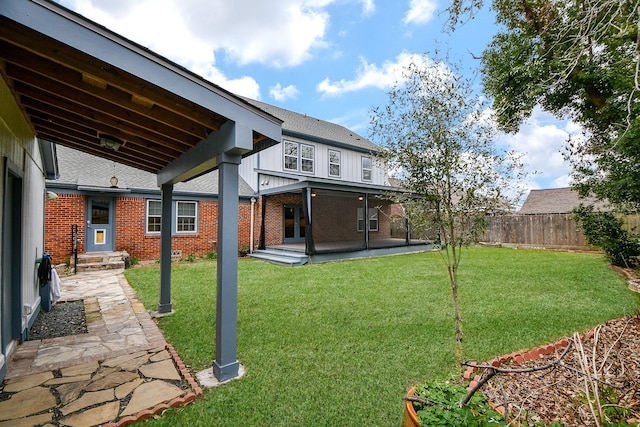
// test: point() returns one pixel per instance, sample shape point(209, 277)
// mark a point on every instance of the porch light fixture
point(361, 198)
point(110, 142)
point(114, 180)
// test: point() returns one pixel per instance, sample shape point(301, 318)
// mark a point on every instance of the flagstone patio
point(120, 372)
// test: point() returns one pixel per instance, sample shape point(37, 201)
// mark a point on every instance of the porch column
point(366, 220)
point(226, 365)
point(310, 246)
point(164, 306)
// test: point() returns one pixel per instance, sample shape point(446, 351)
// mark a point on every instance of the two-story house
point(323, 193)
point(318, 195)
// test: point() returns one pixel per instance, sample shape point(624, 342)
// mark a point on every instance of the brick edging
point(191, 396)
point(519, 358)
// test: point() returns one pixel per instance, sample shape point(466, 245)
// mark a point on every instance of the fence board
point(548, 230)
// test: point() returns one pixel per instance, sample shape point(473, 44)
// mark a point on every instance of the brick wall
point(60, 214)
point(130, 228)
point(274, 216)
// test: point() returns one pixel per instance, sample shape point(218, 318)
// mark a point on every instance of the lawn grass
point(339, 344)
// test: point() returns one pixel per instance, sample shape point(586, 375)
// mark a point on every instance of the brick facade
point(130, 226)
point(274, 216)
point(60, 215)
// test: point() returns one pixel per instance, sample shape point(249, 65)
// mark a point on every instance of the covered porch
point(80, 85)
point(326, 221)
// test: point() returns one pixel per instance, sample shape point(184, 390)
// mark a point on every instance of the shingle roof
point(315, 128)
point(85, 170)
point(556, 200)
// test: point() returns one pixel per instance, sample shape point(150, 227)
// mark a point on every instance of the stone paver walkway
point(120, 372)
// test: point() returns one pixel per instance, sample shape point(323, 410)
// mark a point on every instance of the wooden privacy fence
point(547, 230)
point(554, 231)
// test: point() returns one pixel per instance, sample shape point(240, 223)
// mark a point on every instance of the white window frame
point(149, 201)
point(194, 216)
point(175, 206)
point(285, 155)
point(367, 171)
point(305, 160)
point(373, 217)
point(303, 164)
point(338, 164)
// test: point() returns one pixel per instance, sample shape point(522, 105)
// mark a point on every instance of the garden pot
point(410, 416)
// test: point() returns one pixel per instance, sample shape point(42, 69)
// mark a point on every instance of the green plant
point(212, 255)
point(440, 405)
point(134, 260)
point(244, 249)
point(444, 154)
point(604, 230)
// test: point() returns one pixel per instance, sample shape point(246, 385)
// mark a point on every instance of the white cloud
point(280, 93)
point(368, 7)
point(371, 76)
point(541, 139)
point(193, 33)
point(420, 12)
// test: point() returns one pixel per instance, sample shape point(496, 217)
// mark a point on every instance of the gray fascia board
point(91, 189)
point(333, 186)
point(320, 140)
point(49, 158)
point(82, 34)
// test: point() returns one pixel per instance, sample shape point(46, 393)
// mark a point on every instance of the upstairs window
point(307, 157)
point(334, 163)
point(290, 156)
point(366, 168)
point(299, 157)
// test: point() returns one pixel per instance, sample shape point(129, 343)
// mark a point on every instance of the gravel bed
point(65, 318)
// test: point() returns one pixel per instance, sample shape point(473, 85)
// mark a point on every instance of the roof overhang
point(329, 185)
point(76, 81)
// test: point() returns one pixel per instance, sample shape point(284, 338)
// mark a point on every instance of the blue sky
point(331, 59)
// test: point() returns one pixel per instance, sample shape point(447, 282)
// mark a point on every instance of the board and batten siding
point(19, 146)
point(271, 159)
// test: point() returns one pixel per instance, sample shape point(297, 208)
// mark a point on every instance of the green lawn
point(339, 344)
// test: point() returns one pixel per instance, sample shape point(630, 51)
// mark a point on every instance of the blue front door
point(100, 219)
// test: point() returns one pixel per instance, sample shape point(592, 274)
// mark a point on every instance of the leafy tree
point(579, 60)
point(438, 142)
point(604, 230)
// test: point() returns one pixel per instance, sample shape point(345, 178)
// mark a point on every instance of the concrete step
point(280, 257)
point(102, 261)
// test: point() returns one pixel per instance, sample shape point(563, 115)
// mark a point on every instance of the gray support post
point(366, 220)
point(164, 306)
point(226, 365)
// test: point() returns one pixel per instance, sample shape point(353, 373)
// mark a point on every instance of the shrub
point(444, 409)
point(604, 230)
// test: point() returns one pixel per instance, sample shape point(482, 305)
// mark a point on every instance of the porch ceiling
point(75, 80)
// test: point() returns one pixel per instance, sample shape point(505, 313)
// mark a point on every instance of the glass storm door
point(99, 229)
point(294, 224)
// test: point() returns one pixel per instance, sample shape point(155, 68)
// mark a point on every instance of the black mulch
point(64, 318)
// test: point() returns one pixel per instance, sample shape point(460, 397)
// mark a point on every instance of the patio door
point(100, 224)
point(294, 224)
